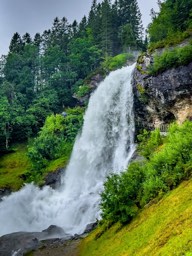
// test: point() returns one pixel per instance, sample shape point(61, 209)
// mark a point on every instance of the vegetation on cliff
point(161, 228)
point(172, 24)
point(168, 163)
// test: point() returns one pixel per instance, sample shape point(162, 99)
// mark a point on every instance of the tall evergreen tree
point(130, 23)
point(26, 39)
point(106, 28)
point(82, 27)
point(16, 44)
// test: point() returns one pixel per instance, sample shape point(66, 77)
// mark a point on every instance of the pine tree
point(106, 28)
point(94, 22)
point(16, 44)
point(130, 22)
point(26, 39)
point(37, 39)
point(82, 27)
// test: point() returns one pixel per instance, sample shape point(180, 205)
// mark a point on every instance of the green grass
point(163, 228)
point(13, 166)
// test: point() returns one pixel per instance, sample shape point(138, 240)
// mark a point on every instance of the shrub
point(120, 199)
point(82, 90)
point(165, 168)
point(172, 39)
point(57, 132)
point(170, 59)
point(149, 142)
point(112, 63)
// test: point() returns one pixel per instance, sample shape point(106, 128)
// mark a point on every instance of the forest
point(40, 75)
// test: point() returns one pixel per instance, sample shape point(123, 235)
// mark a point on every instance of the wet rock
point(90, 227)
point(96, 80)
point(53, 179)
point(54, 231)
point(18, 243)
point(4, 192)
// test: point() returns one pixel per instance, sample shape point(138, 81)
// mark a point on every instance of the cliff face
point(164, 98)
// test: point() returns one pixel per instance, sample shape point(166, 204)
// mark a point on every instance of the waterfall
point(104, 146)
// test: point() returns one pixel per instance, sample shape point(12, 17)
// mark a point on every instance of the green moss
point(143, 95)
point(163, 228)
point(140, 59)
point(139, 68)
point(140, 88)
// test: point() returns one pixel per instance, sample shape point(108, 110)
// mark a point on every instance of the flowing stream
point(104, 146)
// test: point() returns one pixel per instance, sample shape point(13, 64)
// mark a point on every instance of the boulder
point(18, 243)
point(53, 179)
point(53, 231)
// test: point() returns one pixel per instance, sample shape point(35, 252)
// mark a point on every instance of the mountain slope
point(163, 228)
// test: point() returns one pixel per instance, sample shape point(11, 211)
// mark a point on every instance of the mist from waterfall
point(104, 146)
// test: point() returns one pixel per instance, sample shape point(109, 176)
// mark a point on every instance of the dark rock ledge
point(22, 243)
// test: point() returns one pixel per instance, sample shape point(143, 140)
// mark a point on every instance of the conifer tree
point(26, 39)
point(106, 28)
point(130, 23)
point(16, 44)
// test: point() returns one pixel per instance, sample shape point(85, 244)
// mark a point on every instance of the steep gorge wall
point(164, 98)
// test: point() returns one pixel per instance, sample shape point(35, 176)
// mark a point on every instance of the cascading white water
point(105, 146)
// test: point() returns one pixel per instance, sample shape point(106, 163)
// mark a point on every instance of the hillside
point(162, 228)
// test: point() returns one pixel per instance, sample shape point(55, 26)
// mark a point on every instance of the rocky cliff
point(164, 98)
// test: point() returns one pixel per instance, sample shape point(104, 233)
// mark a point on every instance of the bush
point(149, 142)
point(172, 39)
point(57, 132)
point(82, 90)
point(120, 199)
point(165, 168)
point(112, 63)
point(170, 165)
point(170, 59)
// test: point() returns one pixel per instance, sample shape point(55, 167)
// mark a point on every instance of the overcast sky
point(34, 16)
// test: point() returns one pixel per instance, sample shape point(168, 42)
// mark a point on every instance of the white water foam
point(105, 146)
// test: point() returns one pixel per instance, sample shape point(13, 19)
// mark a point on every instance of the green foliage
point(120, 199)
point(82, 90)
point(112, 63)
point(170, 40)
point(166, 166)
point(14, 167)
point(171, 58)
point(174, 17)
point(149, 142)
point(163, 228)
point(57, 134)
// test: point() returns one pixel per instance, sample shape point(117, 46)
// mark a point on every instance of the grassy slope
point(164, 228)
point(12, 166)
